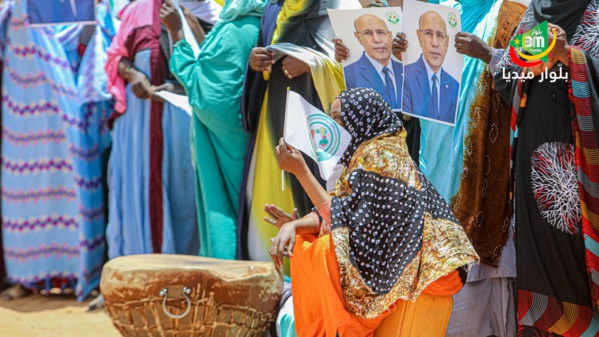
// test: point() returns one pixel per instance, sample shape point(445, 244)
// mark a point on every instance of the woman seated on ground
point(384, 235)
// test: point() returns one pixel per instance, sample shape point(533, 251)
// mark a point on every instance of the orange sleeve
point(449, 284)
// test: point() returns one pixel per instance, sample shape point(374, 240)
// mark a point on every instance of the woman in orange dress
point(384, 235)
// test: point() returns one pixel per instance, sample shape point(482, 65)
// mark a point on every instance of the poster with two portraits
point(423, 81)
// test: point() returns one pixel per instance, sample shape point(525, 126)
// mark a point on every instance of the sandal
point(97, 303)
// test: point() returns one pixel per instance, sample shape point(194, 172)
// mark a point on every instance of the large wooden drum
point(178, 295)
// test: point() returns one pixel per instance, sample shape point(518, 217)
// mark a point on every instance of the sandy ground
point(37, 316)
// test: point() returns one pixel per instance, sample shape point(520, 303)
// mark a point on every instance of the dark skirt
point(552, 278)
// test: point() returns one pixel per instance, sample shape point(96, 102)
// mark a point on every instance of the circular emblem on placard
point(452, 19)
point(325, 136)
point(393, 18)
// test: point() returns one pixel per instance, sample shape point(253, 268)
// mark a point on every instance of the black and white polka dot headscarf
point(365, 115)
point(384, 215)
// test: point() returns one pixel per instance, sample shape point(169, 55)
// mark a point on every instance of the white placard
point(180, 101)
point(368, 34)
point(430, 30)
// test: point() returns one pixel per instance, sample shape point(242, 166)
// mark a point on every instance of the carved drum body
point(178, 295)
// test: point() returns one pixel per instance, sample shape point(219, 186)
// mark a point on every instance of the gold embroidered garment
point(393, 233)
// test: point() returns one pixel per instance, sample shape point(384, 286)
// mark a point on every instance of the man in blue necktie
point(375, 69)
point(429, 91)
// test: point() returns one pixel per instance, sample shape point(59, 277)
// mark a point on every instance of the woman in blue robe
point(54, 108)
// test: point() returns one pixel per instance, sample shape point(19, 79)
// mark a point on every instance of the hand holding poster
point(368, 34)
point(60, 12)
point(433, 68)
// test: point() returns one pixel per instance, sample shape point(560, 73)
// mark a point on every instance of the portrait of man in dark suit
point(429, 91)
point(375, 69)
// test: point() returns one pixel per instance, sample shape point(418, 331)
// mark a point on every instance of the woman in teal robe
point(214, 83)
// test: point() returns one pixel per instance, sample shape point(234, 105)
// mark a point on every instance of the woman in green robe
point(214, 82)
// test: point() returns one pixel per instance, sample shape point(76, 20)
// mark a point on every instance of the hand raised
point(560, 51)
point(278, 217)
point(261, 59)
point(140, 84)
point(471, 45)
point(283, 243)
point(341, 52)
point(293, 67)
point(400, 45)
point(170, 17)
point(289, 158)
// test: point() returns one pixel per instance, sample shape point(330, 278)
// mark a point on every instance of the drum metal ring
point(186, 292)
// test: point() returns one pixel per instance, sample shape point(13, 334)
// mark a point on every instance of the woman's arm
point(291, 160)
point(473, 46)
point(198, 32)
point(183, 63)
point(140, 84)
point(171, 19)
point(123, 67)
point(285, 239)
point(169, 15)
